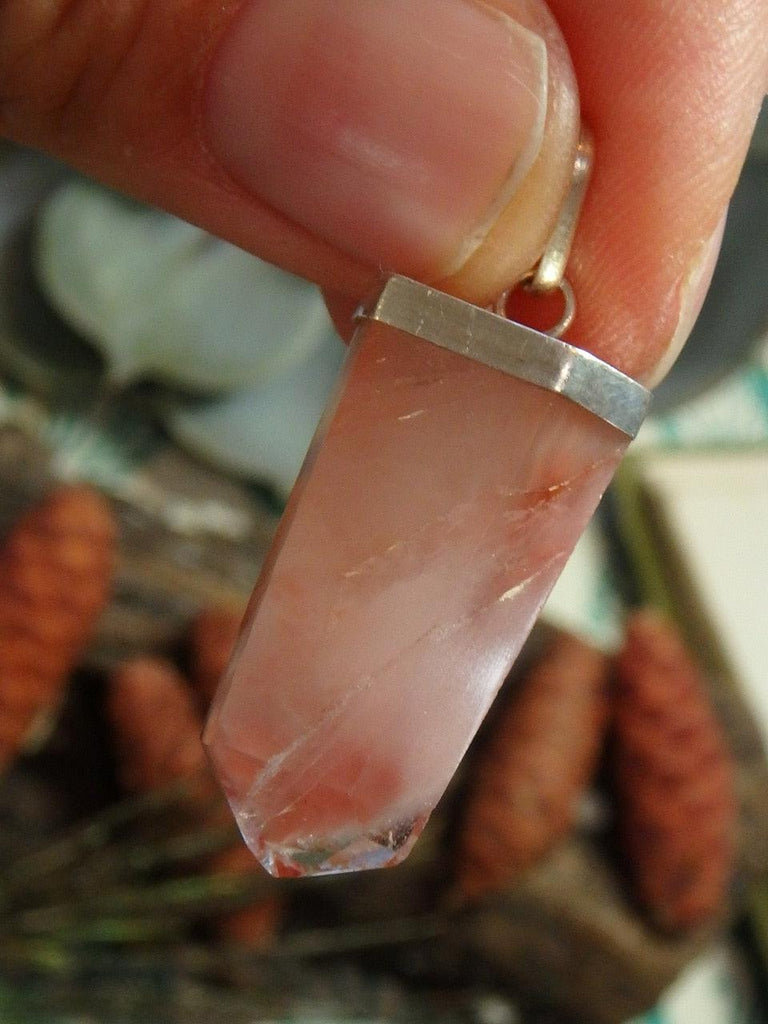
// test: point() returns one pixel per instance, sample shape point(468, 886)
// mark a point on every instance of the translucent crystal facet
point(438, 504)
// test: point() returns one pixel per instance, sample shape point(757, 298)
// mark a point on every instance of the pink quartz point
point(438, 504)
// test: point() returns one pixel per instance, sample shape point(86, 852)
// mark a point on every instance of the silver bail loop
point(550, 270)
point(549, 273)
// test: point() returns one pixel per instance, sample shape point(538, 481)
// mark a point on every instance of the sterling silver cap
point(512, 348)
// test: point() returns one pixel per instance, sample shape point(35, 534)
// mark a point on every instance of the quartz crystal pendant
point(447, 484)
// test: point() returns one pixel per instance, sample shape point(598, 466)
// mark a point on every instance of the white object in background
point(163, 299)
point(712, 509)
point(264, 434)
point(716, 989)
point(585, 600)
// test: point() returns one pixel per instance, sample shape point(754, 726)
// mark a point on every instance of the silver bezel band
point(513, 348)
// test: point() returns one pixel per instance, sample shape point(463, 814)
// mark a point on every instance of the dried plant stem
point(366, 935)
point(146, 858)
point(178, 900)
point(84, 840)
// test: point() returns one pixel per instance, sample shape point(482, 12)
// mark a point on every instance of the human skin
point(155, 99)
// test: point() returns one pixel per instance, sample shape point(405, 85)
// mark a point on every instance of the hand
point(431, 137)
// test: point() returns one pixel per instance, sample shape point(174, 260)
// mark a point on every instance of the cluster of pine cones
point(643, 715)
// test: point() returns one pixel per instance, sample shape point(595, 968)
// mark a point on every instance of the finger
point(671, 91)
point(336, 138)
point(214, 114)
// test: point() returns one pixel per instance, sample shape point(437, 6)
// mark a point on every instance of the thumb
point(336, 138)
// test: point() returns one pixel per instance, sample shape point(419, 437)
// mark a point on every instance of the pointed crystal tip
point(315, 822)
point(332, 853)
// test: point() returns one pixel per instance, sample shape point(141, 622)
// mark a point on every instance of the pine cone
point(56, 569)
point(538, 761)
point(212, 639)
point(157, 728)
point(675, 779)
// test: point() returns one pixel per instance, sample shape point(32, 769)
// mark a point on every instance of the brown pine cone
point(675, 779)
point(56, 568)
point(156, 727)
point(538, 761)
point(212, 639)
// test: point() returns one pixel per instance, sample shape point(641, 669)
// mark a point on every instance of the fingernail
point(395, 131)
point(692, 294)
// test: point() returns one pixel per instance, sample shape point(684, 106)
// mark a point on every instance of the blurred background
point(158, 391)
